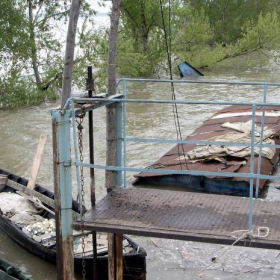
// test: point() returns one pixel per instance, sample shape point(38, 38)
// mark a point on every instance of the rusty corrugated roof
point(210, 128)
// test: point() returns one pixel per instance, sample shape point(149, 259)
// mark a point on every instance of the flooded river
point(167, 259)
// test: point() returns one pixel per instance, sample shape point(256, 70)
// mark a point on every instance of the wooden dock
point(185, 216)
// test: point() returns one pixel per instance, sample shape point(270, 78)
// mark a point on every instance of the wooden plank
point(46, 200)
point(37, 161)
point(19, 187)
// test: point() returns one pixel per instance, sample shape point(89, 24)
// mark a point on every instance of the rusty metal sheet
point(212, 127)
point(183, 215)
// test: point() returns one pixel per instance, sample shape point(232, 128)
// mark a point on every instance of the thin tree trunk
point(34, 56)
point(111, 109)
point(69, 52)
point(144, 28)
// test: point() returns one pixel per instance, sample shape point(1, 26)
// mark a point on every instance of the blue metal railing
point(123, 138)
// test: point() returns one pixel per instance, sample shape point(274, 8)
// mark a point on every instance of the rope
point(168, 51)
point(246, 234)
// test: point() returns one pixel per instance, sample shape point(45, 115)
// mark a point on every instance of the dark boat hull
point(198, 184)
point(8, 271)
point(134, 263)
point(177, 158)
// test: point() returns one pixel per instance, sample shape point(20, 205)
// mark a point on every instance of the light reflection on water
point(20, 130)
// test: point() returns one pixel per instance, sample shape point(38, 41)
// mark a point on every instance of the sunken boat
point(27, 217)
point(232, 125)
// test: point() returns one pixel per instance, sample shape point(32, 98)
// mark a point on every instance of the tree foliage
point(202, 32)
point(32, 45)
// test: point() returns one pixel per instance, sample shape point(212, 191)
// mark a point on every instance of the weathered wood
point(111, 256)
point(111, 158)
point(69, 52)
point(62, 178)
point(119, 256)
point(46, 200)
point(115, 256)
point(37, 161)
point(115, 251)
point(19, 187)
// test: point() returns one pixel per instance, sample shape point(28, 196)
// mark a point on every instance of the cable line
point(168, 51)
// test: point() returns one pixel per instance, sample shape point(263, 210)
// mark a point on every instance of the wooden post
point(115, 250)
point(69, 52)
point(119, 254)
point(115, 255)
point(63, 195)
point(62, 160)
point(111, 109)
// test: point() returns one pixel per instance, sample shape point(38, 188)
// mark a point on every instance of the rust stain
point(210, 128)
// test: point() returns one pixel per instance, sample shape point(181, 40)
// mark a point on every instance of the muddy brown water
point(167, 259)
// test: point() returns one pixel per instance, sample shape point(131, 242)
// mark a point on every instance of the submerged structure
point(187, 70)
point(228, 134)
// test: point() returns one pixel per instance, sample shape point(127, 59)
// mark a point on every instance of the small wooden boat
point(9, 271)
point(231, 124)
point(31, 225)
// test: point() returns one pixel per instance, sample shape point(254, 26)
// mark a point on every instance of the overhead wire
point(168, 42)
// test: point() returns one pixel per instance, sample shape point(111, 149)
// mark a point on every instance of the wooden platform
point(184, 216)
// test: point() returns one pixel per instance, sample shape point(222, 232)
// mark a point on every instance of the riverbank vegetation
point(202, 32)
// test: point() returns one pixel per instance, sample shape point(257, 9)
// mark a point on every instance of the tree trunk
point(111, 109)
point(69, 52)
point(144, 31)
point(34, 57)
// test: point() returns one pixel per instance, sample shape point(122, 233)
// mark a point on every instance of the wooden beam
point(19, 187)
point(46, 200)
point(115, 256)
point(111, 256)
point(37, 161)
point(119, 256)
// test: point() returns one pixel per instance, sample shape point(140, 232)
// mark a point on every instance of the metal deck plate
point(184, 215)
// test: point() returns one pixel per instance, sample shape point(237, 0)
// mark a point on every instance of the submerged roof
point(188, 70)
point(183, 156)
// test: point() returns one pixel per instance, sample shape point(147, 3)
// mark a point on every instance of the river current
point(167, 259)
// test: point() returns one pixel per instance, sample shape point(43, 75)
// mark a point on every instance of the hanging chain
point(79, 120)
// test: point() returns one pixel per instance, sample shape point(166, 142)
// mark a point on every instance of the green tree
point(141, 36)
point(262, 35)
point(228, 16)
point(32, 48)
point(140, 18)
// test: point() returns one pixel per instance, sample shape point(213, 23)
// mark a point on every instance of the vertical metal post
point(90, 88)
point(119, 142)
point(261, 141)
point(63, 194)
point(124, 134)
point(251, 203)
